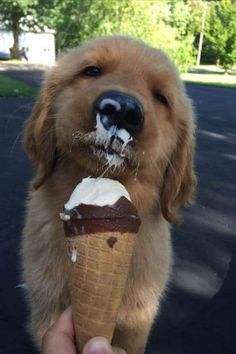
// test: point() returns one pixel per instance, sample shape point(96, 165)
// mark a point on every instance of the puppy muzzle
point(120, 110)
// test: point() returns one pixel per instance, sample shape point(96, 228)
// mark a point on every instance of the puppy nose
point(121, 110)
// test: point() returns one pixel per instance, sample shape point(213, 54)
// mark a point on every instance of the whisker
point(15, 142)
point(170, 164)
point(136, 169)
point(106, 170)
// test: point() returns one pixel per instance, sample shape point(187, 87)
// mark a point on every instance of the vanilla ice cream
point(97, 191)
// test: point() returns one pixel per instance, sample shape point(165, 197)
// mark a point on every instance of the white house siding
point(39, 47)
point(6, 41)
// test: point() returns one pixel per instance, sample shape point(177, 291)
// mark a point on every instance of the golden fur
point(158, 174)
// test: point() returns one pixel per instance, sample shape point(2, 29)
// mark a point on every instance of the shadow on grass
point(211, 70)
point(213, 84)
point(12, 87)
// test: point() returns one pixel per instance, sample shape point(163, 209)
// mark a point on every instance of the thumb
point(59, 338)
point(99, 345)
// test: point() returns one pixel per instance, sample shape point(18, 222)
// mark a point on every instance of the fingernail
point(98, 345)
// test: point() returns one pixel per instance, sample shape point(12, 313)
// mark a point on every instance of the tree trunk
point(15, 50)
point(201, 34)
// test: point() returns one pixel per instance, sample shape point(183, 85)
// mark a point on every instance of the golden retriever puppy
point(116, 108)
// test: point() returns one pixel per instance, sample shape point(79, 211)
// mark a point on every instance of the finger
point(97, 345)
point(100, 345)
point(59, 339)
point(116, 350)
point(65, 323)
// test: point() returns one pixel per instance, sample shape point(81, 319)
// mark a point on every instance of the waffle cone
point(97, 281)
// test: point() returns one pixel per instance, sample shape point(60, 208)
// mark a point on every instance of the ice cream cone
point(97, 282)
point(100, 243)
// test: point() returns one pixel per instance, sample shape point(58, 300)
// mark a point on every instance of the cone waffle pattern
point(97, 281)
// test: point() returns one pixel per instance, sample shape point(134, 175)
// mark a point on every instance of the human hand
point(60, 339)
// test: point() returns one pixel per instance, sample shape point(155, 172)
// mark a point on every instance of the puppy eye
point(92, 71)
point(162, 99)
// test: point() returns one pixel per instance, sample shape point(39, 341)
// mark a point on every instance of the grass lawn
point(12, 61)
point(210, 76)
point(11, 87)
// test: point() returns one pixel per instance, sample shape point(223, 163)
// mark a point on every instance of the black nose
point(121, 110)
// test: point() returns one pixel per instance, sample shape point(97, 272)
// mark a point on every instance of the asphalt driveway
point(199, 311)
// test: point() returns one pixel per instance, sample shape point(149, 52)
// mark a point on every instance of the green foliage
point(14, 8)
point(185, 16)
point(152, 21)
point(220, 41)
point(169, 24)
point(13, 14)
point(183, 19)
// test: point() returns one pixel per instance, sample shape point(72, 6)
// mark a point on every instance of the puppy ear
point(39, 138)
point(180, 179)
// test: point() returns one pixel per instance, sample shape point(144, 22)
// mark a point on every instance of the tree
point(72, 20)
point(221, 33)
point(184, 18)
point(168, 24)
point(13, 13)
point(78, 20)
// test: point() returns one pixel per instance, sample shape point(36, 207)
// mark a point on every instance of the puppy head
point(117, 107)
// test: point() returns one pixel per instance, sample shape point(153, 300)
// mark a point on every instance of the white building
point(39, 47)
